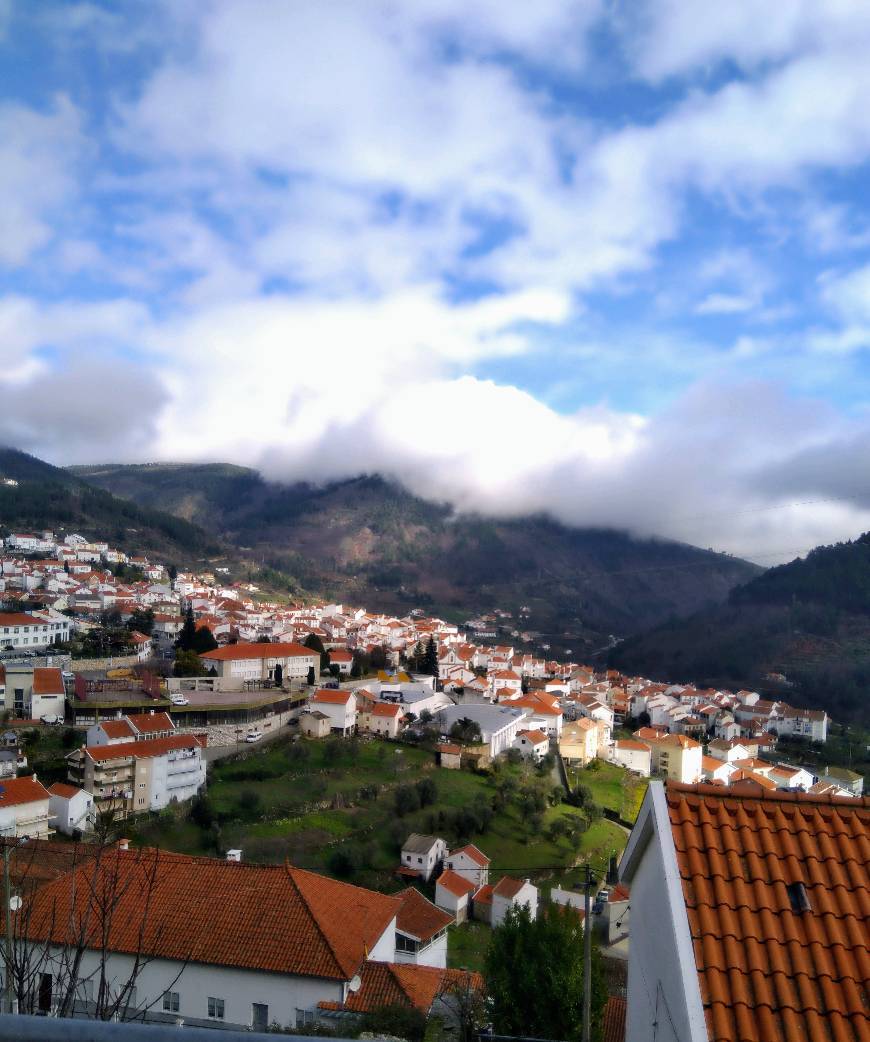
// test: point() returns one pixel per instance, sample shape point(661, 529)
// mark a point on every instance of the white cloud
point(37, 155)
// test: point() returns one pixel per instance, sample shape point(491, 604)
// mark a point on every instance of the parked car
point(179, 700)
point(67, 674)
point(51, 718)
point(253, 736)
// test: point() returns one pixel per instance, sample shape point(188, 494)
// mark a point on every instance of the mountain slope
point(369, 540)
point(50, 497)
point(809, 620)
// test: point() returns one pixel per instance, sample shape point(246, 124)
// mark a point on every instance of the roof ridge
point(779, 796)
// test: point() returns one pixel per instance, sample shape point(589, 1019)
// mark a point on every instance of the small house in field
point(314, 724)
point(453, 893)
point(449, 756)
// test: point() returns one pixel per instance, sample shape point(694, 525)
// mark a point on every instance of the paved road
point(220, 752)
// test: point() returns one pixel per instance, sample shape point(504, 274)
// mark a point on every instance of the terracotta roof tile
point(144, 749)
point(472, 852)
point(62, 789)
point(148, 723)
point(47, 681)
point(614, 1020)
point(397, 984)
point(14, 791)
point(508, 887)
point(769, 970)
point(455, 884)
point(325, 696)
point(117, 729)
point(419, 917)
point(262, 917)
point(233, 652)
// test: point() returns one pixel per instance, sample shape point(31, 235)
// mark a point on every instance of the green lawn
point(612, 787)
point(304, 801)
point(467, 945)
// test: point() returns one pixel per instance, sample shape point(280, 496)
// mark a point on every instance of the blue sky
point(607, 260)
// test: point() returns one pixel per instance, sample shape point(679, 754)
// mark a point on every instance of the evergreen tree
point(314, 642)
point(534, 975)
point(187, 637)
point(430, 658)
point(203, 641)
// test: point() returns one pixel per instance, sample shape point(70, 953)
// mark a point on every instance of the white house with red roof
point(47, 694)
point(533, 744)
point(24, 807)
point(470, 863)
point(70, 809)
point(453, 894)
point(342, 658)
point(259, 661)
point(382, 718)
point(339, 706)
point(510, 892)
point(421, 931)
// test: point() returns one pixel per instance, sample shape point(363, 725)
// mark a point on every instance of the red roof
point(144, 749)
point(272, 918)
point(117, 729)
point(62, 789)
point(148, 723)
point(613, 1029)
point(340, 655)
point(420, 918)
point(18, 618)
point(473, 852)
point(535, 737)
point(398, 984)
point(333, 698)
point(232, 652)
point(484, 895)
point(385, 709)
point(455, 884)
point(778, 899)
point(508, 887)
point(21, 790)
point(47, 681)
point(449, 748)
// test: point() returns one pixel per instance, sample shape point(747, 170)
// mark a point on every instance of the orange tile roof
point(62, 789)
point(147, 748)
point(386, 709)
point(473, 852)
point(447, 747)
point(508, 887)
point(257, 650)
point(613, 1029)
point(146, 723)
point(420, 918)
point(117, 729)
point(628, 743)
point(535, 737)
point(14, 791)
point(272, 918)
point(454, 883)
point(47, 681)
point(767, 969)
point(398, 984)
point(484, 895)
point(334, 698)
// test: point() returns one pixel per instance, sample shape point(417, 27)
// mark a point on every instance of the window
point(216, 1008)
point(304, 1017)
point(171, 1001)
point(406, 944)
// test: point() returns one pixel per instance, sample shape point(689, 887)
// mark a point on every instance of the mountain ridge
point(367, 540)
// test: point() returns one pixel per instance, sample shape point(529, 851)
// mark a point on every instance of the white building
point(532, 744)
point(470, 863)
point(421, 931)
point(70, 809)
point(508, 893)
point(632, 754)
point(24, 808)
point(339, 706)
point(498, 724)
point(422, 855)
point(31, 631)
point(233, 945)
point(261, 661)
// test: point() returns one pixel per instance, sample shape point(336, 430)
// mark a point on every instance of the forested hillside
point(809, 620)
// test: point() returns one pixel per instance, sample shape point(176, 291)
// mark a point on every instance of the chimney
point(234, 855)
point(124, 844)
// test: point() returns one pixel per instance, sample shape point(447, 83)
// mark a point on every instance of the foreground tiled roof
point(420, 918)
point(398, 984)
point(777, 891)
point(261, 917)
point(144, 749)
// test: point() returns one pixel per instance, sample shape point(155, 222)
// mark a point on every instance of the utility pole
point(588, 883)
point(7, 890)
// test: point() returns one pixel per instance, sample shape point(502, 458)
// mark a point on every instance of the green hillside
point(50, 497)
point(367, 540)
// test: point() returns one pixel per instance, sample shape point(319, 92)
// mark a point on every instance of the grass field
point(612, 787)
point(304, 801)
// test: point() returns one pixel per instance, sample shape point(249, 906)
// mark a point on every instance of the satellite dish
point(14, 903)
point(354, 984)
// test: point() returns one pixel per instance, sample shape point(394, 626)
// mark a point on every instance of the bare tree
point(81, 942)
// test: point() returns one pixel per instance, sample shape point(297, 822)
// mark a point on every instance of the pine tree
point(430, 659)
point(187, 637)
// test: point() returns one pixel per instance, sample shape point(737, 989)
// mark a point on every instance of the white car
point(51, 718)
point(67, 674)
point(253, 736)
point(179, 700)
